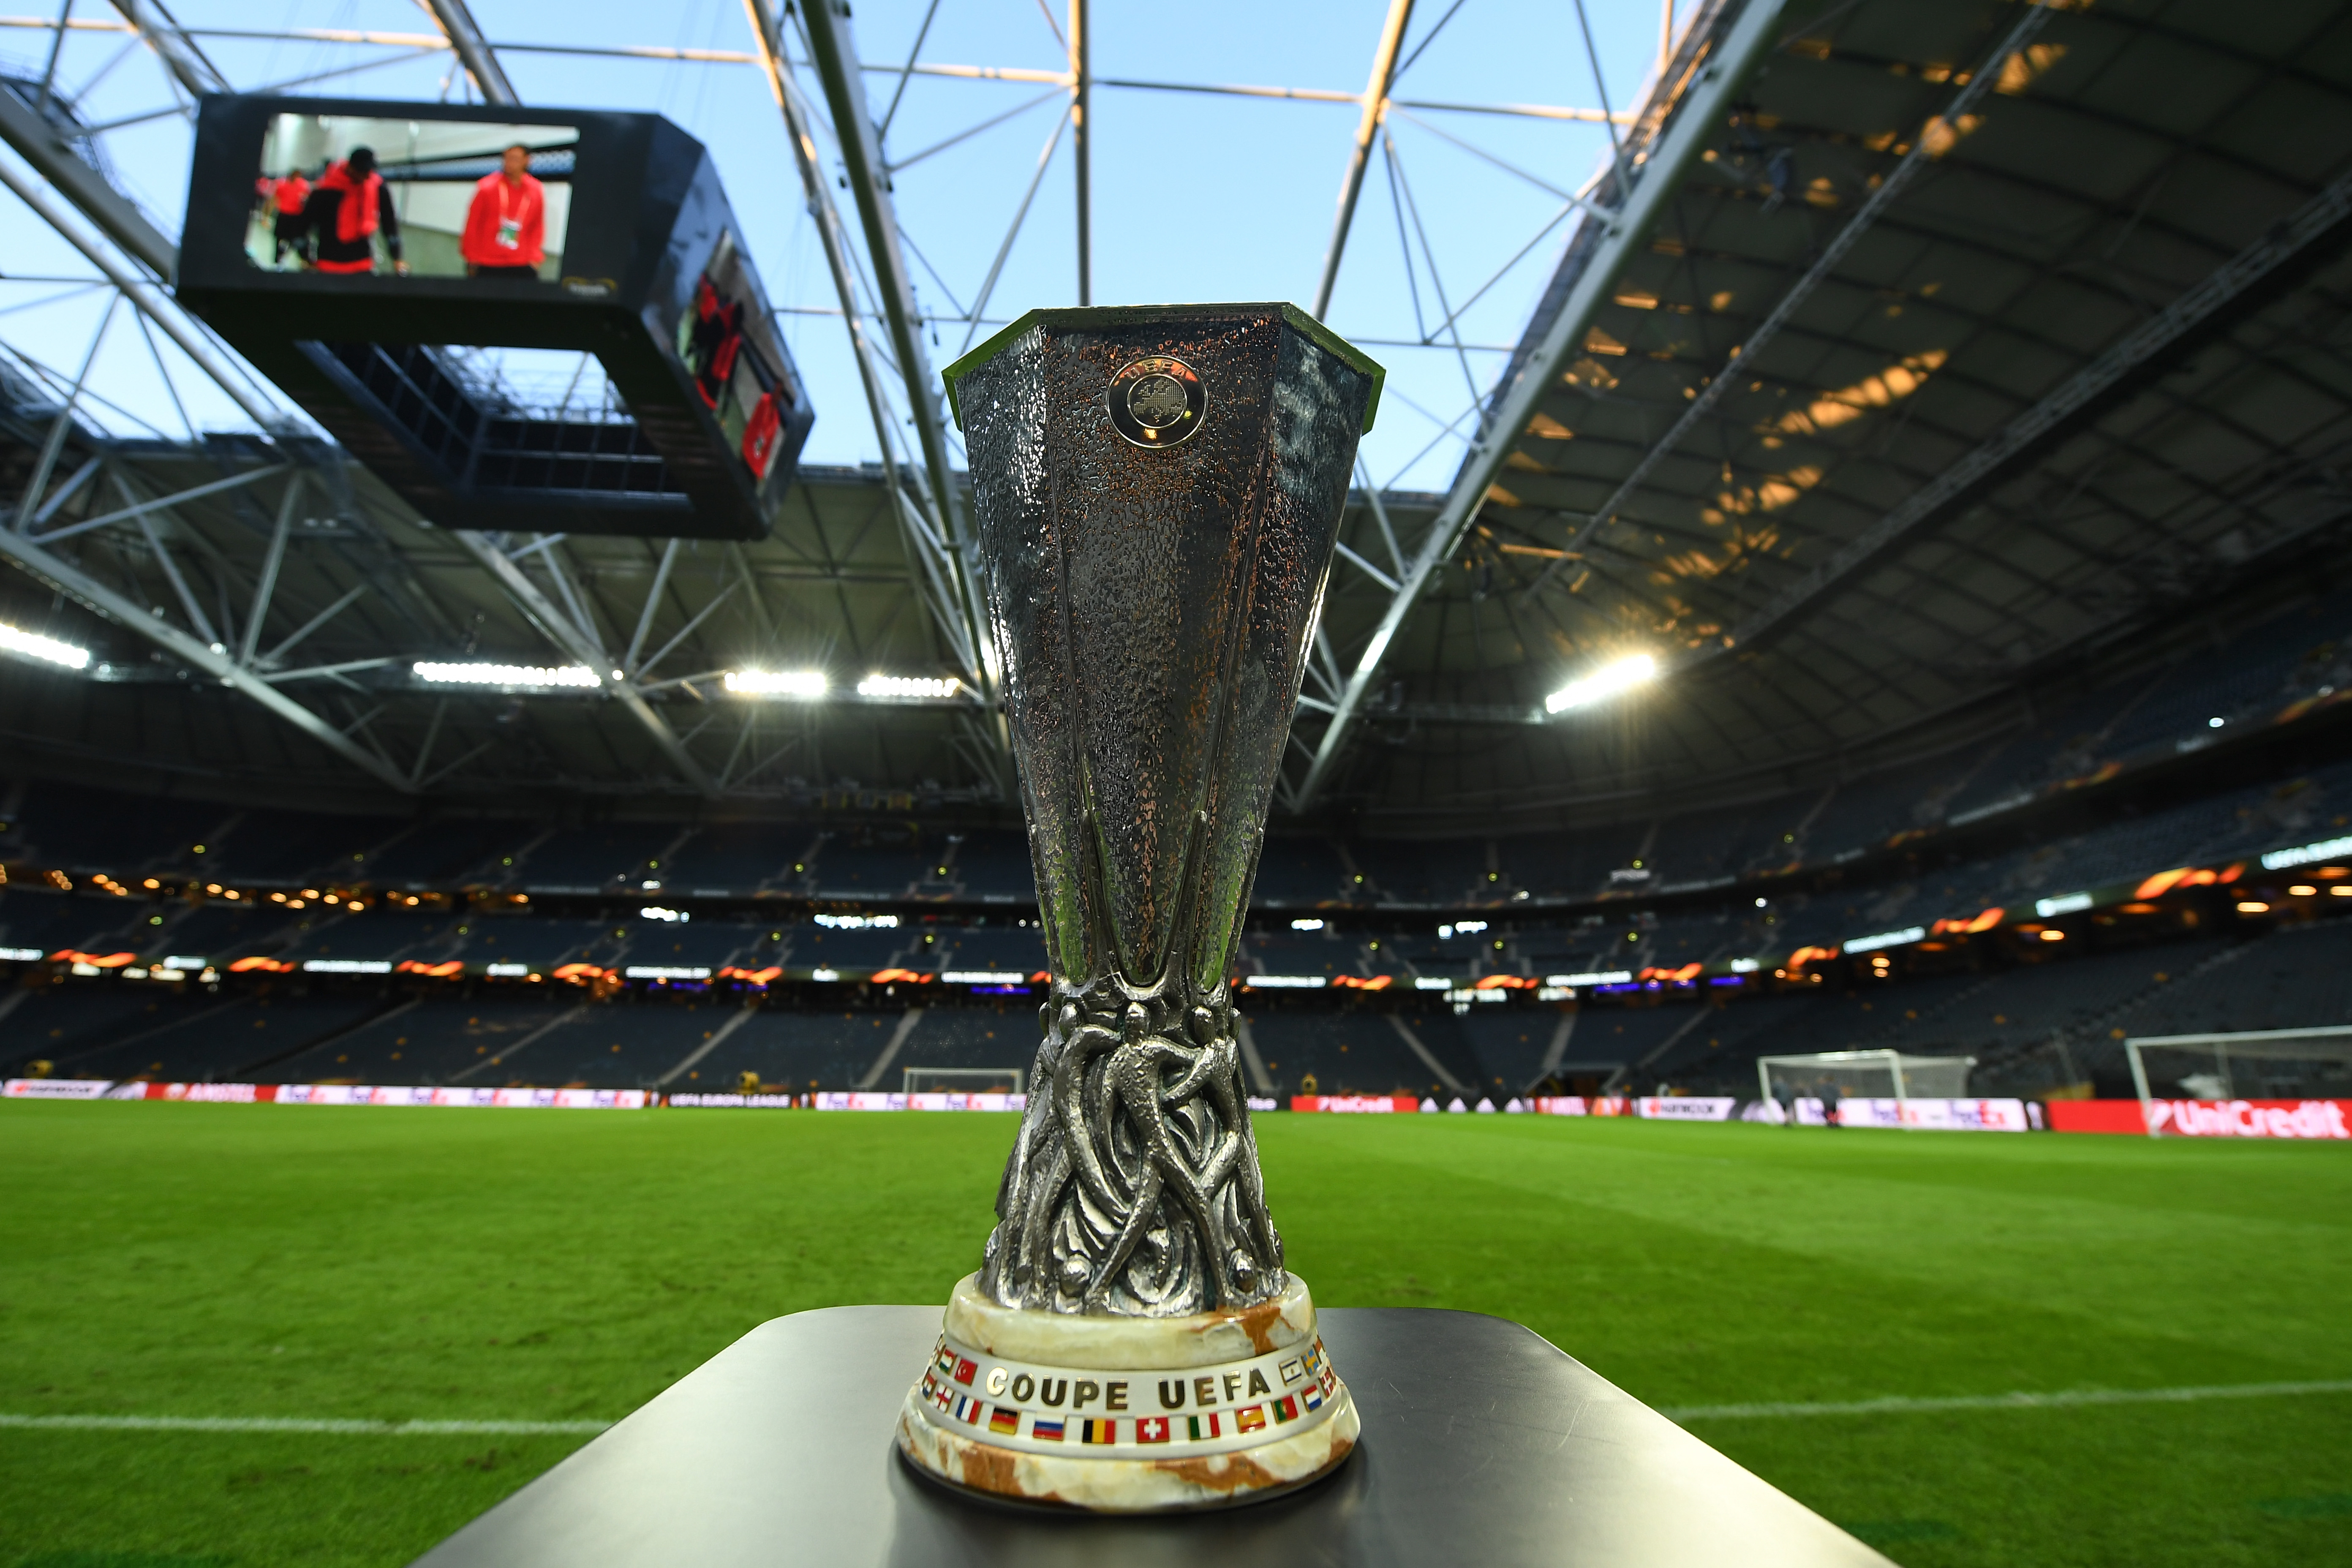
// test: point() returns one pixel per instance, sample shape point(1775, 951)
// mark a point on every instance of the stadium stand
point(2298, 655)
point(740, 858)
point(999, 1036)
point(1010, 948)
point(65, 1025)
point(591, 859)
point(2294, 977)
point(50, 921)
point(868, 948)
point(429, 1040)
point(995, 867)
point(445, 854)
point(1568, 865)
point(885, 862)
point(704, 943)
point(1300, 872)
point(620, 1045)
point(1337, 1053)
point(2033, 1025)
point(201, 1036)
point(796, 1050)
point(98, 830)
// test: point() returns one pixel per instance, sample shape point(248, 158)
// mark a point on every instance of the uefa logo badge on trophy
point(1156, 401)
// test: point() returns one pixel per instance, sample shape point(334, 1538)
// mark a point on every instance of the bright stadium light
point(904, 686)
point(33, 645)
point(808, 684)
point(440, 673)
point(1606, 681)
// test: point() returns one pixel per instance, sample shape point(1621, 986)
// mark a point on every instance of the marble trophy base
point(1129, 1414)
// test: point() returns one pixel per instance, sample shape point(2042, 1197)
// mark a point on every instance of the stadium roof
point(1902, 357)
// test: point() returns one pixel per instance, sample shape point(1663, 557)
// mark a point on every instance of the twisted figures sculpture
point(1133, 1186)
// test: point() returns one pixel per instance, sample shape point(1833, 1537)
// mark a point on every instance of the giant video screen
point(728, 343)
point(359, 195)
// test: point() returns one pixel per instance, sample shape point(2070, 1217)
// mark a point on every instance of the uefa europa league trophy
point(1158, 493)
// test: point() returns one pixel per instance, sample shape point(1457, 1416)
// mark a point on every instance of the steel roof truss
point(1693, 124)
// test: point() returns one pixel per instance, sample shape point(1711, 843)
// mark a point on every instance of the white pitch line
point(2064, 1398)
point(1891, 1404)
point(298, 1424)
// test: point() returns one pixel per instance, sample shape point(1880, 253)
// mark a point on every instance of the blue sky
point(1195, 196)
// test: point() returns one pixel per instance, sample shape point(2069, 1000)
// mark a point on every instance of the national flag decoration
point(1292, 1371)
point(1250, 1419)
point(946, 1360)
point(1285, 1409)
point(1315, 1360)
point(1311, 1396)
point(1047, 1430)
point(1202, 1427)
point(1152, 1429)
point(1098, 1431)
point(1002, 1420)
point(1330, 1384)
point(941, 1394)
point(968, 1409)
point(964, 1370)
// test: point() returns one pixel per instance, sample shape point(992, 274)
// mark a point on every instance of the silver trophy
point(1157, 491)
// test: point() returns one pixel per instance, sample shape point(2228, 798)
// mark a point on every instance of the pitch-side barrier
point(2320, 1119)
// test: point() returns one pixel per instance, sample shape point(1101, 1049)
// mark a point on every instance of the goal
point(2252, 1064)
point(964, 1080)
point(1866, 1075)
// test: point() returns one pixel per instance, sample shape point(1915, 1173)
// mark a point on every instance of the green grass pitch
point(250, 1260)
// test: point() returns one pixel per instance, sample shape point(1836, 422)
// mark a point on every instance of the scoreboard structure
point(360, 252)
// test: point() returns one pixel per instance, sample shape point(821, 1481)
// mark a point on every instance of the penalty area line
point(2060, 1400)
point(299, 1424)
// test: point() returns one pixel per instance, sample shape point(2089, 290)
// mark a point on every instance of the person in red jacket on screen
point(286, 198)
point(346, 210)
point(506, 227)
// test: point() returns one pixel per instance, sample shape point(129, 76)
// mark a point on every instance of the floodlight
point(33, 645)
point(803, 683)
point(1606, 681)
point(443, 673)
point(916, 686)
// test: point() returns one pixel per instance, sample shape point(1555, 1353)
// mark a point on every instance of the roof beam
point(37, 140)
point(70, 580)
point(579, 645)
point(457, 25)
point(1359, 157)
point(946, 610)
point(2325, 217)
point(141, 291)
point(1081, 145)
point(1693, 124)
point(1924, 150)
point(949, 560)
point(162, 33)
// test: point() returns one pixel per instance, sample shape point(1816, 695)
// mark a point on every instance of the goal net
point(964, 1080)
point(2254, 1064)
point(1864, 1074)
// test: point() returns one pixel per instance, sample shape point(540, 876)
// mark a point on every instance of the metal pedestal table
point(1483, 1444)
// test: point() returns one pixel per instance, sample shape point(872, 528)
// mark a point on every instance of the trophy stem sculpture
point(1158, 493)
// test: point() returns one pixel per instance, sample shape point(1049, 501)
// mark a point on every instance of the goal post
point(2247, 1064)
point(1866, 1075)
point(964, 1080)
